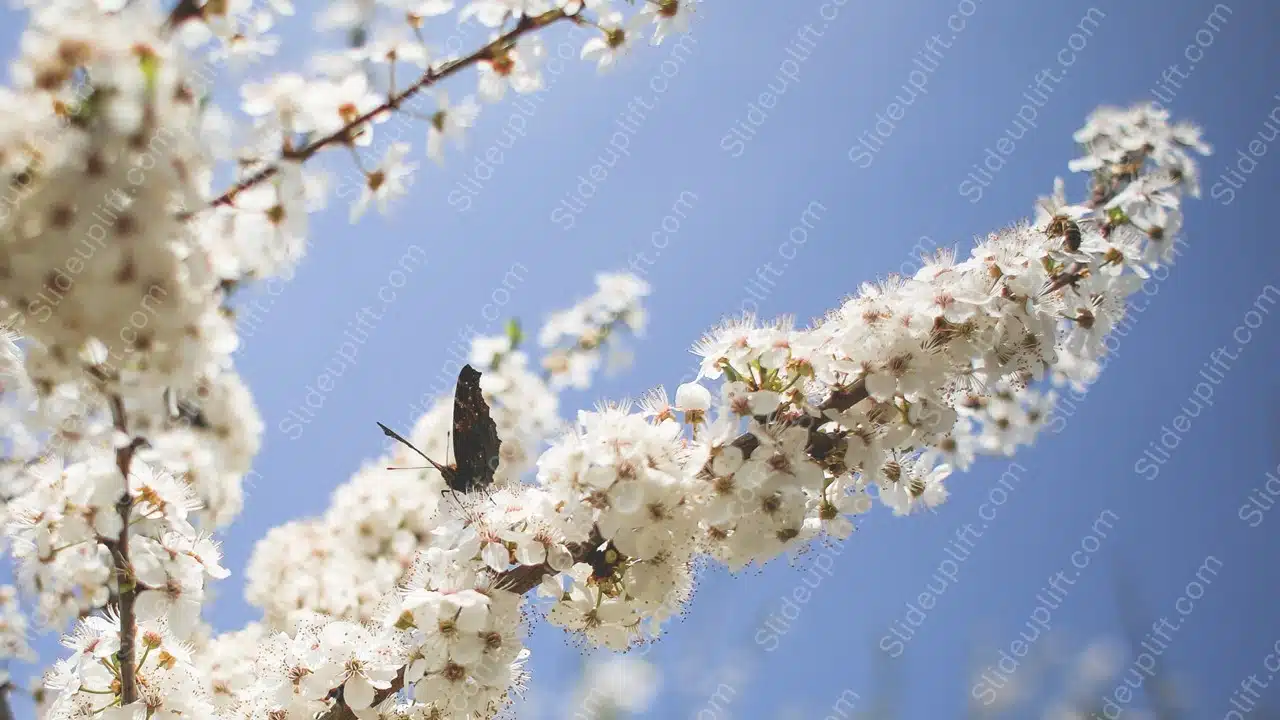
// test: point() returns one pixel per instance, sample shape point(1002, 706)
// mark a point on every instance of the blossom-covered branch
point(497, 53)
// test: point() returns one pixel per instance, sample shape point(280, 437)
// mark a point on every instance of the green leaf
point(514, 333)
point(84, 112)
point(150, 65)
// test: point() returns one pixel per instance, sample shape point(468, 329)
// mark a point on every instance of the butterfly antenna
point(393, 434)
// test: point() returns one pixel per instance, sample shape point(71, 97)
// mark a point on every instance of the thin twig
point(430, 77)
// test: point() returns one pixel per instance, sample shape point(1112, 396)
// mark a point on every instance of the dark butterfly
point(475, 438)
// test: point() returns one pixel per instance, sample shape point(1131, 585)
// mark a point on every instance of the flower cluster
point(84, 683)
point(464, 633)
point(106, 144)
point(63, 530)
point(623, 489)
point(573, 336)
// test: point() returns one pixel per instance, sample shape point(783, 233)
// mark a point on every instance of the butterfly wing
point(475, 434)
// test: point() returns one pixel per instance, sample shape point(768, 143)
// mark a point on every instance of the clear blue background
point(744, 210)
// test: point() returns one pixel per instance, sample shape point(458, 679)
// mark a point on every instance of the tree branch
point(6, 712)
point(429, 78)
point(183, 11)
point(125, 585)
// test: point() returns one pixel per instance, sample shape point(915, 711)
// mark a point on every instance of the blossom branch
point(527, 23)
point(1107, 184)
point(126, 587)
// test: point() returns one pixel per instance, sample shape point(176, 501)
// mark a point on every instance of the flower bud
point(694, 400)
point(692, 397)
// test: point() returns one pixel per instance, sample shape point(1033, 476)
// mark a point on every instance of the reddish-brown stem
point(430, 77)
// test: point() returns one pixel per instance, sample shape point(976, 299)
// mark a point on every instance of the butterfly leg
point(453, 494)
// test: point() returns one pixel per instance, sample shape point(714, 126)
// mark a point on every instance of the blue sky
point(731, 205)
